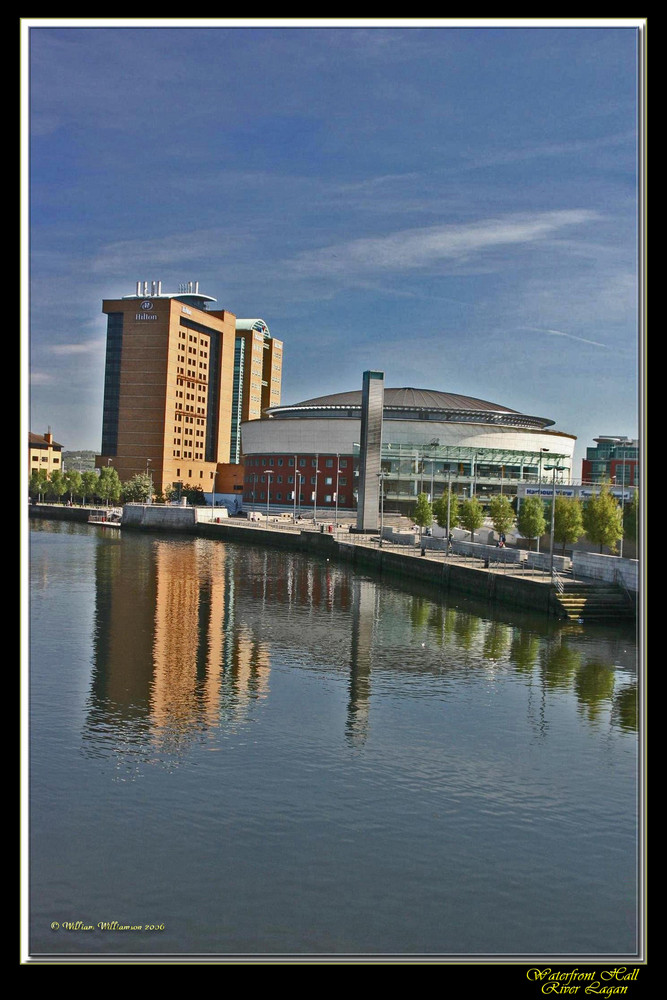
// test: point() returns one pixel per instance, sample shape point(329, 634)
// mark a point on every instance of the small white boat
point(106, 518)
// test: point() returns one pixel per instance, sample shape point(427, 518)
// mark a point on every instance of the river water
point(236, 751)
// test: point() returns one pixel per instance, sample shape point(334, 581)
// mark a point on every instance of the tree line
point(104, 487)
point(600, 518)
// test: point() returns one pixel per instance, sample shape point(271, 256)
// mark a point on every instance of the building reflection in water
point(169, 655)
point(187, 630)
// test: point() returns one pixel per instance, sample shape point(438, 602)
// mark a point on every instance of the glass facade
point(237, 397)
point(413, 469)
point(112, 384)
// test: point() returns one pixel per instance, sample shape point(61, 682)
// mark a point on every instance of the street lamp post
point(149, 476)
point(553, 468)
point(317, 472)
point(381, 476)
point(268, 495)
point(295, 486)
point(337, 477)
point(449, 504)
point(542, 451)
point(109, 461)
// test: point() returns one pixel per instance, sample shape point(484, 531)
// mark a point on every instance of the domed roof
point(405, 399)
point(408, 403)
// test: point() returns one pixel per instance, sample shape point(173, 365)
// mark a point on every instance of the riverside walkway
point(342, 533)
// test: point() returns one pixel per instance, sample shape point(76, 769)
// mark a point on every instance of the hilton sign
point(147, 305)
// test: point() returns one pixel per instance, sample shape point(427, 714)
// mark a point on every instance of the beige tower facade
point(258, 367)
point(168, 386)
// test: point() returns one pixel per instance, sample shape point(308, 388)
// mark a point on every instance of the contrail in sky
point(571, 336)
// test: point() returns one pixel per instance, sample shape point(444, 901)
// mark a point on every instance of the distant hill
point(81, 460)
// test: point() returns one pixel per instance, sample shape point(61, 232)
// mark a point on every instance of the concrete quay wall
point(609, 569)
point(58, 512)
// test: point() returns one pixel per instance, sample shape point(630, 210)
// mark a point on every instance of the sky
point(457, 204)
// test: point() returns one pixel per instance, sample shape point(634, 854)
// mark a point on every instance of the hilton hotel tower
point(168, 386)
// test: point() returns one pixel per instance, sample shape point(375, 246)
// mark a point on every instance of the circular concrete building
point(308, 453)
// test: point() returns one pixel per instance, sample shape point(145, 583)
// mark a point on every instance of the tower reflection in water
point(186, 632)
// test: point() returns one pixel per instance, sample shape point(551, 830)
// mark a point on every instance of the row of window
point(328, 462)
point(189, 475)
point(328, 480)
point(278, 497)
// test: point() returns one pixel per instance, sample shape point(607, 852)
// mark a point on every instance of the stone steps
point(592, 602)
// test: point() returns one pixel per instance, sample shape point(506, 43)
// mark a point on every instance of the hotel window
point(343, 463)
point(329, 463)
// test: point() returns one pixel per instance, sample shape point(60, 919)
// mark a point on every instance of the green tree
point(109, 486)
point(530, 520)
point(56, 486)
point(38, 483)
point(88, 486)
point(195, 495)
point(471, 516)
point(568, 521)
point(603, 519)
point(423, 513)
point(440, 510)
point(73, 480)
point(631, 518)
point(137, 489)
point(502, 514)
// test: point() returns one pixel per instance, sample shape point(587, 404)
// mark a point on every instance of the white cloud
point(87, 347)
point(417, 248)
point(41, 378)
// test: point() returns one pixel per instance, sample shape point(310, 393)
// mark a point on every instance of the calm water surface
point(261, 753)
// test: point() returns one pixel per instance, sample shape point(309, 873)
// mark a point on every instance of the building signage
point(615, 493)
point(147, 304)
point(561, 491)
point(184, 309)
point(570, 491)
point(144, 316)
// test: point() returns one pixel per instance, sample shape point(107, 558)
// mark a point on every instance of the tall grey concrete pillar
point(372, 402)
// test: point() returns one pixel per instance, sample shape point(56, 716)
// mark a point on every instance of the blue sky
point(454, 204)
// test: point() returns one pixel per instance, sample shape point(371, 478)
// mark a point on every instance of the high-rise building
point(168, 386)
point(258, 365)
